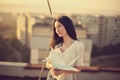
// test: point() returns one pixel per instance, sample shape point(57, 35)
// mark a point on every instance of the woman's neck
point(67, 40)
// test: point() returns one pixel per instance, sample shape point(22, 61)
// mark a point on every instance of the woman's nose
point(57, 29)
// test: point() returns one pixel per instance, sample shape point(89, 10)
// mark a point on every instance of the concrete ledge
point(33, 70)
point(110, 69)
point(89, 68)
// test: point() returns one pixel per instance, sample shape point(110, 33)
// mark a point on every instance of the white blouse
point(72, 52)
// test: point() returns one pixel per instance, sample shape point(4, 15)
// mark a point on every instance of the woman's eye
point(59, 26)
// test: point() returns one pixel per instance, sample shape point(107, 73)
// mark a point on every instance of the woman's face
point(60, 29)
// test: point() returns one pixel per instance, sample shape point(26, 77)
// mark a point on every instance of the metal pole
point(49, 7)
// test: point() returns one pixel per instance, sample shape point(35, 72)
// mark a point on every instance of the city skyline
point(61, 6)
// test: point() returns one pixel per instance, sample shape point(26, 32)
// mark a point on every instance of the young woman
point(65, 42)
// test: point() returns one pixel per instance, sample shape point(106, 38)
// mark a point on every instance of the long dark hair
point(68, 24)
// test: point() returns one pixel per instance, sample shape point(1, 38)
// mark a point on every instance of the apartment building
point(117, 30)
point(102, 25)
point(24, 28)
point(108, 31)
point(102, 30)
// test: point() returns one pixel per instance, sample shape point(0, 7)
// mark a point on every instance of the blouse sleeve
point(80, 54)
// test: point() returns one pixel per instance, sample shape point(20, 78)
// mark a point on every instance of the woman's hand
point(56, 72)
point(49, 65)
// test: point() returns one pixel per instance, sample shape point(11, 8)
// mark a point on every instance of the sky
point(61, 6)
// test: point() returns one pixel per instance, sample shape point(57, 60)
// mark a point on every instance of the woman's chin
point(60, 35)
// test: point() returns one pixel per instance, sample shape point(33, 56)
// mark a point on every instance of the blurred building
point(102, 25)
point(7, 25)
point(24, 28)
point(102, 30)
point(116, 30)
point(108, 30)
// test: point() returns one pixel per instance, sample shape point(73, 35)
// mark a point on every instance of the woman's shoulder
point(79, 43)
